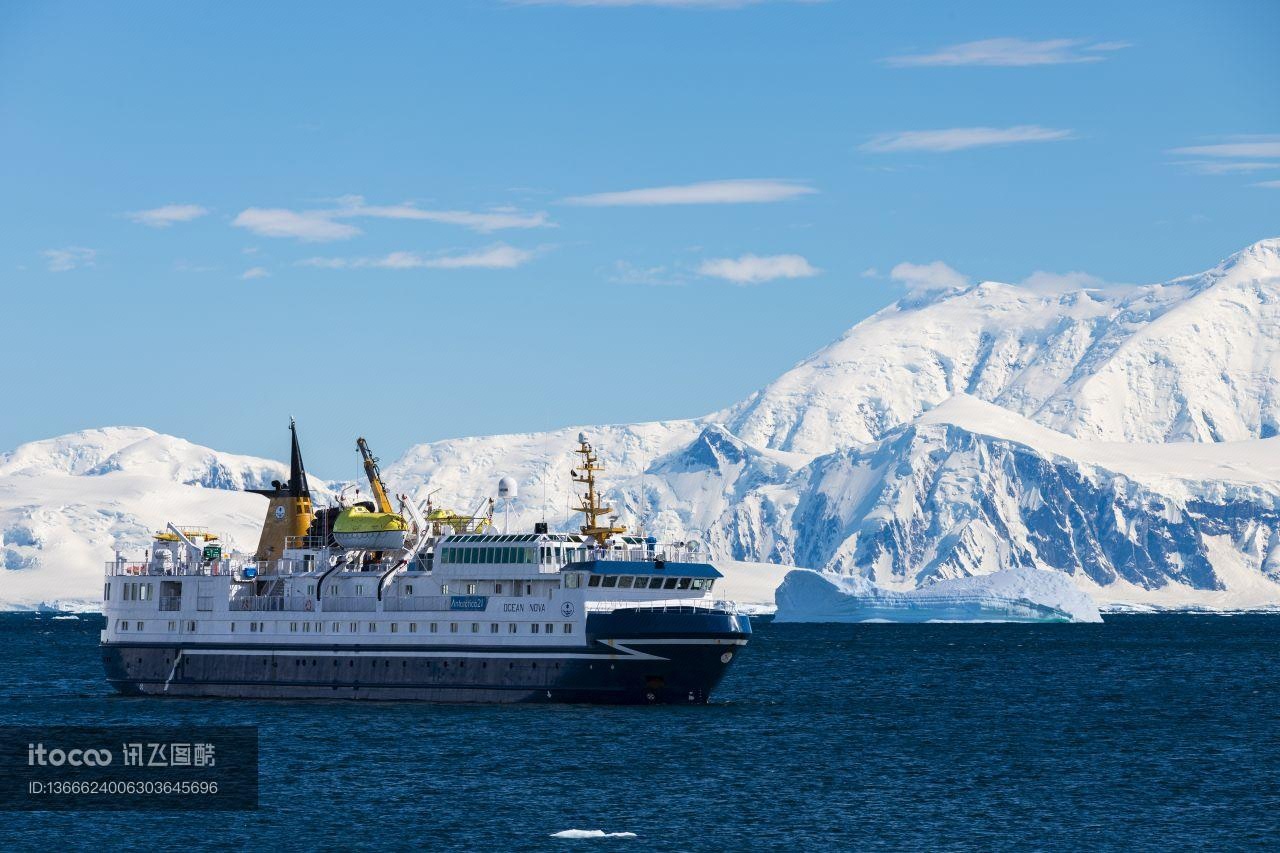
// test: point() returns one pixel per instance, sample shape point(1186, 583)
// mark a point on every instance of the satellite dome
point(508, 488)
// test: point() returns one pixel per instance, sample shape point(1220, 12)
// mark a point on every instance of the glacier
point(1123, 438)
point(1008, 595)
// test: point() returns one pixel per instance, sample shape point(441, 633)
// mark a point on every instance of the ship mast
point(590, 506)
point(375, 476)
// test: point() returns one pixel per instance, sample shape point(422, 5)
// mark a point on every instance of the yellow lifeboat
point(359, 528)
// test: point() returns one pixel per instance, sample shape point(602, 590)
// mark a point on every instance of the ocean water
point(1147, 732)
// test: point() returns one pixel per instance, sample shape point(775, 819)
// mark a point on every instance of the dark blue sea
point(1149, 732)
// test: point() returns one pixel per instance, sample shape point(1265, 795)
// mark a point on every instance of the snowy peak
point(1110, 364)
point(74, 453)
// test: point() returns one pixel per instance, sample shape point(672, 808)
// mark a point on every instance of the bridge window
point(670, 583)
point(699, 583)
point(625, 583)
point(684, 583)
point(571, 580)
point(609, 580)
point(594, 581)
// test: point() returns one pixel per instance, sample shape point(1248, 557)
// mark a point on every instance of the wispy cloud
point(69, 258)
point(313, 226)
point(960, 138)
point(326, 224)
point(1271, 185)
point(1053, 282)
point(254, 272)
point(483, 221)
point(736, 191)
point(1226, 167)
point(625, 272)
point(166, 215)
point(754, 269)
point(924, 278)
point(671, 4)
point(1011, 53)
point(1254, 146)
point(497, 256)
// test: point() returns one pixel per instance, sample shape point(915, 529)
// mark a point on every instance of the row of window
point(135, 591)
point(432, 627)
point(354, 627)
point(630, 582)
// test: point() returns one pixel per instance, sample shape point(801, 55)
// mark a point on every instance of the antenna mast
point(590, 502)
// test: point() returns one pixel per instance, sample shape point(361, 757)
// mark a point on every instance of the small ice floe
point(591, 833)
point(67, 616)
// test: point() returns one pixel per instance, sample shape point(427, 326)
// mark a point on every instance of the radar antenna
point(590, 507)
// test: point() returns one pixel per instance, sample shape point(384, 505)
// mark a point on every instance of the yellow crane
point(375, 476)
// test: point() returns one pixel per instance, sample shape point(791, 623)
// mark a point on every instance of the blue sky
point(422, 220)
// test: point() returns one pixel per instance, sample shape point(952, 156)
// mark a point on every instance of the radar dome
point(508, 488)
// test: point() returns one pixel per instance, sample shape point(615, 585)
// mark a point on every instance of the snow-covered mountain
point(1120, 436)
point(1194, 359)
point(67, 503)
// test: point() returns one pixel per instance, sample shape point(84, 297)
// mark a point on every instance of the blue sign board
point(468, 602)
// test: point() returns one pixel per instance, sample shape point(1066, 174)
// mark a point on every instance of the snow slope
point(1191, 359)
point(67, 503)
point(1126, 438)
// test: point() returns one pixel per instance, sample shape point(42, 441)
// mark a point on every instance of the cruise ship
point(369, 600)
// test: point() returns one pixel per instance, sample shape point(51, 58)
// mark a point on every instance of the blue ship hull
point(631, 656)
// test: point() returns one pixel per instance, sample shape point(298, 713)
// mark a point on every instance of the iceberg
point(1011, 595)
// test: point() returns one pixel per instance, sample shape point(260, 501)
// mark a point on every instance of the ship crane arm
point(375, 477)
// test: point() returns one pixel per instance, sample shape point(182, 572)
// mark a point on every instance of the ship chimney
point(289, 511)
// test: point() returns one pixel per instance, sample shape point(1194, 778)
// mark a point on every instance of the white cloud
point(671, 4)
point(484, 222)
point(69, 258)
point(323, 225)
point(1258, 147)
point(754, 269)
point(163, 217)
point(736, 191)
point(1226, 167)
point(254, 272)
point(625, 272)
point(1012, 52)
point(1052, 282)
point(313, 226)
point(922, 278)
point(1273, 185)
point(871, 272)
point(959, 138)
point(497, 256)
